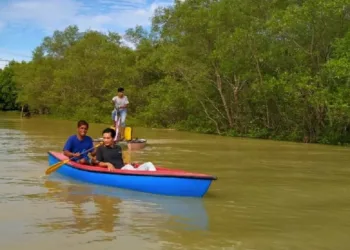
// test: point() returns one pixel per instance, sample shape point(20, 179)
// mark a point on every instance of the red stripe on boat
point(160, 170)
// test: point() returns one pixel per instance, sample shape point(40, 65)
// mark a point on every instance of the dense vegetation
point(260, 68)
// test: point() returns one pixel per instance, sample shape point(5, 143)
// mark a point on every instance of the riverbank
point(135, 122)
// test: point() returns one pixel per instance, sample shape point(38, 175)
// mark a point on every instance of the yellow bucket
point(128, 133)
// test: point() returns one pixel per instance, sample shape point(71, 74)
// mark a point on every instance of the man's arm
point(113, 101)
point(69, 154)
point(126, 102)
point(99, 155)
point(100, 160)
point(105, 164)
point(67, 148)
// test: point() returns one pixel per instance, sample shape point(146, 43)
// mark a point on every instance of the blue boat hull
point(150, 183)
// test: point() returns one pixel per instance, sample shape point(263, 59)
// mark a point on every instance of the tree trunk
point(223, 99)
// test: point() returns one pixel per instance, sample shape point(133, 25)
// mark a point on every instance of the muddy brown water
point(268, 196)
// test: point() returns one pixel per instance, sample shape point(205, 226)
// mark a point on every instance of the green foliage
point(8, 90)
point(265, 69)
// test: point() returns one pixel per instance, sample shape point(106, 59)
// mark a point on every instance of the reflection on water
point(108, 206)
point(103, 219)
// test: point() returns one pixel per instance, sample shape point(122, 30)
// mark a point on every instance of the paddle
point(117, 129)
point(55, 166)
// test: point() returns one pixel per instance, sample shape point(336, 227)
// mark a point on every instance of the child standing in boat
point(120, 102)
point(110, 155)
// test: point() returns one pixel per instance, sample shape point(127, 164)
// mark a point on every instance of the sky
point(24, 23)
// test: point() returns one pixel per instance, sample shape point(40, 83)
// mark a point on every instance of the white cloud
point(48, 15)
point(58, 14)
point(3, 64)
point(17, 55)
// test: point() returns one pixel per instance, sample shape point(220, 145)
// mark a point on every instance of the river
point(269, 195)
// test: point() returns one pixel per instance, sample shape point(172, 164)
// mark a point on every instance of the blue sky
point(24, 23)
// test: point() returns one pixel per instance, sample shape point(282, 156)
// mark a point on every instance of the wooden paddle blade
point(55, 166)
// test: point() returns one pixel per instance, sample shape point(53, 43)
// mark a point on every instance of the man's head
point(108, 136)
point(83, 127)
point(120, 92)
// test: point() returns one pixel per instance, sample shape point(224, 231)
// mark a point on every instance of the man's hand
point(93, 153)
point(76, 154)
point(110, 166)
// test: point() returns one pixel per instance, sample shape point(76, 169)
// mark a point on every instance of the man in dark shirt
point(109, 155)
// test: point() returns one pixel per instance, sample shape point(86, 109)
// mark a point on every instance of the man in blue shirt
point(76, 144)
